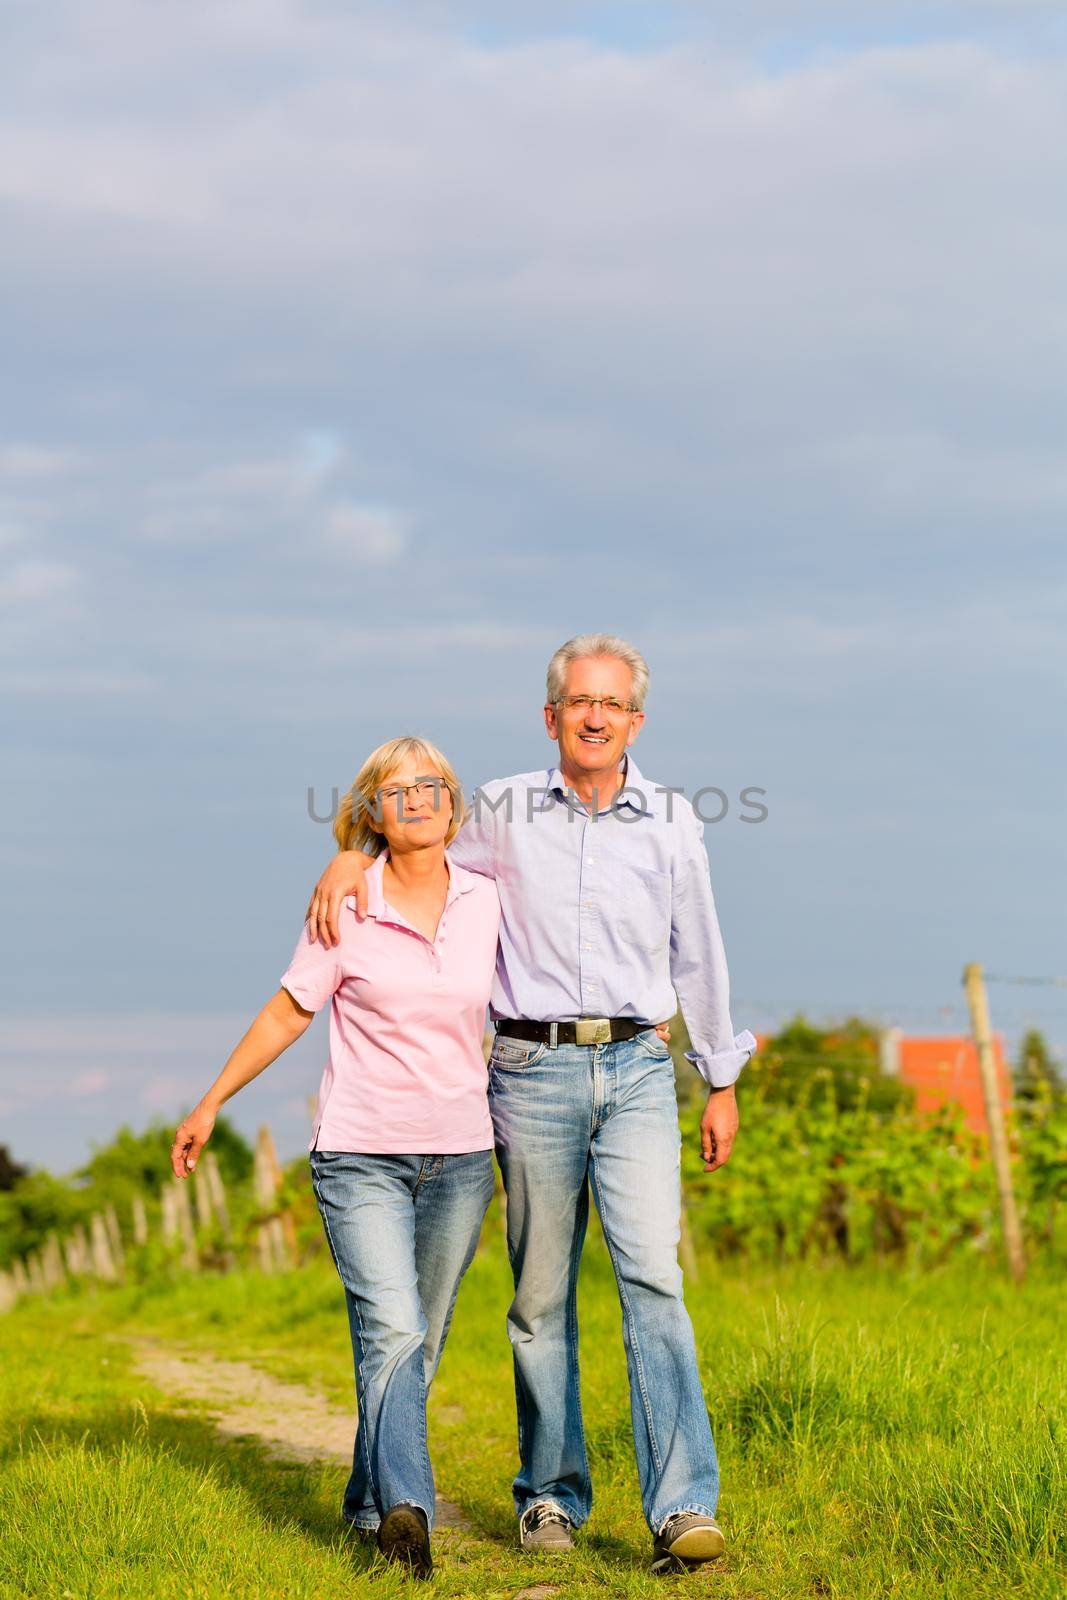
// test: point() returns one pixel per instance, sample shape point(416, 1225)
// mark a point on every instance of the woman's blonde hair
point(354, 828)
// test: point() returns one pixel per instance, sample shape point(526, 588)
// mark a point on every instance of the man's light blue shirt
point(609, 915)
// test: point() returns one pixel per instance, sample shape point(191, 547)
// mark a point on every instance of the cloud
point(454, 333)
point(371, 533)
point(66, 1081)
point(31, 581)
point(75, 684)
point(88, 1054)
point(248, 501)
point(19, 462)
point(280, 502)
point(163, 1092)
point(1011, 638)
point(90, 1083)
point(700, 283)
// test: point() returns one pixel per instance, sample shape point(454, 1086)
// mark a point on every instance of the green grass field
point(879, 1434)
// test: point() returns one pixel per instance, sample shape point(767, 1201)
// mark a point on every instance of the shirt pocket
point(641, 906)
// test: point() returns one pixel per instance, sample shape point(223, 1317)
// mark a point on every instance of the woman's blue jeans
point(604, 1117)
point(402, 1231)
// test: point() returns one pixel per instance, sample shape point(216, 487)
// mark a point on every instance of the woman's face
point(415, 806)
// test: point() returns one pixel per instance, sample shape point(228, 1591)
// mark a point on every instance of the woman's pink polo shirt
point(406, 1075)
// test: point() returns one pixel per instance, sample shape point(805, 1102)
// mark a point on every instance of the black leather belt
point(587, 1030)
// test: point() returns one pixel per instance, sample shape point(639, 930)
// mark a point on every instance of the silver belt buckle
point(592, 1030)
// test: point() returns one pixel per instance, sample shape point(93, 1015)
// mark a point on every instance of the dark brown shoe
point(405, 1537)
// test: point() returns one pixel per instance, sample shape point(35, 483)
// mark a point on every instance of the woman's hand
point(664, 1031)
point(190, 1139)
point(281, 1021)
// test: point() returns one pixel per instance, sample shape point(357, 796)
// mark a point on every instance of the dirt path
point(292, 1423)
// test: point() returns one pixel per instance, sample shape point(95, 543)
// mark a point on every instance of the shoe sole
point(402, 1538)
point(689, 1550)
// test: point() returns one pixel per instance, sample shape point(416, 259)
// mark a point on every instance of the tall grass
point(880, 1434)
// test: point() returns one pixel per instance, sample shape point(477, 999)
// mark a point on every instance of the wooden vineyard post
point(140, 1221)
point(178, 1223)
point(100, 1248)
point(974, 983)
point(274, 1244)
point(118, 1254)
point(52, 1263)
point(210, 1174)
point(282, 1240)
point(186, 1233)
point(267, 1174)
point(76, 1253)
point(202, 1198)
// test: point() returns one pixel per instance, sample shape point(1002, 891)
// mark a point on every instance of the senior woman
point(401, 1153)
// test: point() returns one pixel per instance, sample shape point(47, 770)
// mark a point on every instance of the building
point(943, 1071)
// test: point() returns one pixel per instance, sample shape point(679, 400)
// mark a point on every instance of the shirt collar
point(460, 881)
point(633, 782)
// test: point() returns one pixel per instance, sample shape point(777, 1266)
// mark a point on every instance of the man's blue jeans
point(604, 1115)
point(402, 1231)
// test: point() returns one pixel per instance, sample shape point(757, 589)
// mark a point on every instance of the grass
point(879, 1435)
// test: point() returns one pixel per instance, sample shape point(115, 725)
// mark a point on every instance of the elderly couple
point(575, 901)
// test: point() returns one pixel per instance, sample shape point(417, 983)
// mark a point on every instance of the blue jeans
point(402, 1231)
point(604, 1115)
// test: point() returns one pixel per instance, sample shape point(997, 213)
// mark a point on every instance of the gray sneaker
point(545, 1528)
point(684, 1541)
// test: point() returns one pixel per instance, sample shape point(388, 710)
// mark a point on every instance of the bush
point(833, 1160)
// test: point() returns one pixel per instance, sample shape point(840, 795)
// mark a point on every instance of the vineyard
point(176, 1382)
point(832, 1162)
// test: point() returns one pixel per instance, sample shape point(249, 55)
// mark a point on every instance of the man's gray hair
point(597, 644)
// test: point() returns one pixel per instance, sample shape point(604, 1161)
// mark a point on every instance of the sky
point(356, 356)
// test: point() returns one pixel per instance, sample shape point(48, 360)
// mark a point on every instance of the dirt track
point(291, 1423)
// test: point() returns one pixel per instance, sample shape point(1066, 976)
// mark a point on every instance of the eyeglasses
point(586, 702)
point(421, 789)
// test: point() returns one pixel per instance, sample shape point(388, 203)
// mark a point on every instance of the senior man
point(608, 921)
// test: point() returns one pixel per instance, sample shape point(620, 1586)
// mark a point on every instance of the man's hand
point(346, 874)
point(718, 1128)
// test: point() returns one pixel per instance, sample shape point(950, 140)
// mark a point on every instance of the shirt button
point(589, 861)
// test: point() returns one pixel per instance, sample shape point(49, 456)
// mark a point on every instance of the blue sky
point(353, 362)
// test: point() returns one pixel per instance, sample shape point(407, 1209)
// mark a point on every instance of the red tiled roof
point(944, 1071)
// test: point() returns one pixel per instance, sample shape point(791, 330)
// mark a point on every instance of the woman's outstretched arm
point(278, 1025)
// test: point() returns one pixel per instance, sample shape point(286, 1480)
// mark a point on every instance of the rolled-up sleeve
point(698, 964)
point(313, 976)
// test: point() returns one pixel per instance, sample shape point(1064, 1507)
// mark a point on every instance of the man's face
point(593, 738)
